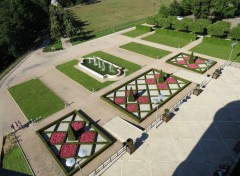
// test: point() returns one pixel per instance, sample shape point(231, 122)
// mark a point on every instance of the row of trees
point(199, 26)
point(202, 8)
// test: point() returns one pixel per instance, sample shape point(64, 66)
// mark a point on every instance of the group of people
point(16, 126)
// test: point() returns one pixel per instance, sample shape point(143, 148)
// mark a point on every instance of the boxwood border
point(178, 65)
point(154, 109)
point(110, 141)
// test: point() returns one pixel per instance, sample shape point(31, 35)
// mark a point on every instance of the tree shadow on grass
point(7, 172)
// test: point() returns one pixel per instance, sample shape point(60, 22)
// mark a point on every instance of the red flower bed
point(132, 107)
point(162, 86)
point(150, 81)
point(88, 136)
point(199, 61)
point(128, 91)
point(182, 62)
point(119, 100)
point(143, 99)
point(57, 137)
point(156, 76)
point(171, 80)
point(186, 58)
point(77, 125)
point(68, 150)
point(192, 65)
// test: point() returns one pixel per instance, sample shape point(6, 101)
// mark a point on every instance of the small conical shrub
point(191, 60)
point(72, 136)
point(161, 79)
point(131, 97)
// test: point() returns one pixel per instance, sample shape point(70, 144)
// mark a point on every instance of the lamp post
point(156, 101)
point(230, 55)
point(82, 153)
point(154, 8)
point(208, 62)
point(113, 20)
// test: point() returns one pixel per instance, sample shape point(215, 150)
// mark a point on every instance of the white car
point(179, 17)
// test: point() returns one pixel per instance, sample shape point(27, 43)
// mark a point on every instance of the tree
point(224, 9)
point(219, 29)
point(175, 9)
point(186, 7)
point(20, 23)
point(199, 26)
point(163, 11)
point(201, 8)
point(235, 33)
point(160, 78)
point(191, 59)
point(182, 25)
point(164, 23)
point(131, 97)
point(151, 20)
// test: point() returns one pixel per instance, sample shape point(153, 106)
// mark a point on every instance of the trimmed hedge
point(176, 34)
point(144, 28)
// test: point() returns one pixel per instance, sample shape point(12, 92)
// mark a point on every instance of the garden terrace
point(171, 38)
point(219, 48)
point(35, 99)
point(145, 88)
point(200, 65)
point(145, 50)
point(71, 135)
point(88, 81)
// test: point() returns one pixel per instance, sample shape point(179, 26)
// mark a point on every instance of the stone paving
point(42, 65)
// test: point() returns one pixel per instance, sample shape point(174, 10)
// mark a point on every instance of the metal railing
point(109, 161)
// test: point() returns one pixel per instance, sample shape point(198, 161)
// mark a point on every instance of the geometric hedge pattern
point(56, 137)
point(145, 88)
point(199, 65)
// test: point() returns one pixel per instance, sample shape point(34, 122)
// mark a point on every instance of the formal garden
point(191, 62)
point(89, 82)
point(136, 97)
point(36, 100)
point(146, 50)
point(74, 140)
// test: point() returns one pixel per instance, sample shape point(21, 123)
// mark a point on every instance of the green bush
point(191, 59)
point(151, 21)
point(131, 97)
point(144, 28)
point(219, 29)
point(235, 33)
point(161, 79)
point(72, 136)
point(182, 25)
point(199, 26)
point(176, 34)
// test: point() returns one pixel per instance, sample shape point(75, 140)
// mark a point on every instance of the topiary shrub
point(191, 59)
point(131, 97)
point(161, 79)
point(72, 136)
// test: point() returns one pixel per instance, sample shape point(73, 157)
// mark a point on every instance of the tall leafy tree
point(235, 33)
point(163, 11)
point(186, 7)
point(224, 9)
point(175, 9)
point(201, 8)
point(199, 26)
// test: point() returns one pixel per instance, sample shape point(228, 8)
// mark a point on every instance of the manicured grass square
point(89, 82)
point(145, 50)
point(14, 160)
point(135, 33)
point(35, 99)
point(219, 51)
point(167, 40)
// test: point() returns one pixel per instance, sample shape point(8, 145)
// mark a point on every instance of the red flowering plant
point(150, 81)
point(119, 100)
point(57, 137)
point(143, 99)
point(156, 76)
point(68, 150)
point(192, 65)
point(186, 58)
point(132, 107)
point(199, 61)
point(162, 86)
point(77, 125)
point(171, 80)
point(87, 136)
point(181, 62)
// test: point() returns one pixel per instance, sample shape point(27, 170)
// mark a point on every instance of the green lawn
point(53, 47)
point(89, 82)
point(35, 99)
point(14, 160)
point(219, 51)
point(135, 33)
point(99, 16)
point(145, 50)
point(167, 40)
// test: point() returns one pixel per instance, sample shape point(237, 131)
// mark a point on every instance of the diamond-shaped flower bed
point(90, 138)
point(57, 137)
point(183, 60)
point(145, 87)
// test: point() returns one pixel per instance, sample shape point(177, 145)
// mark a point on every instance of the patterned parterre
point(89, 138)
point(200, 65)
point(145, 88)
